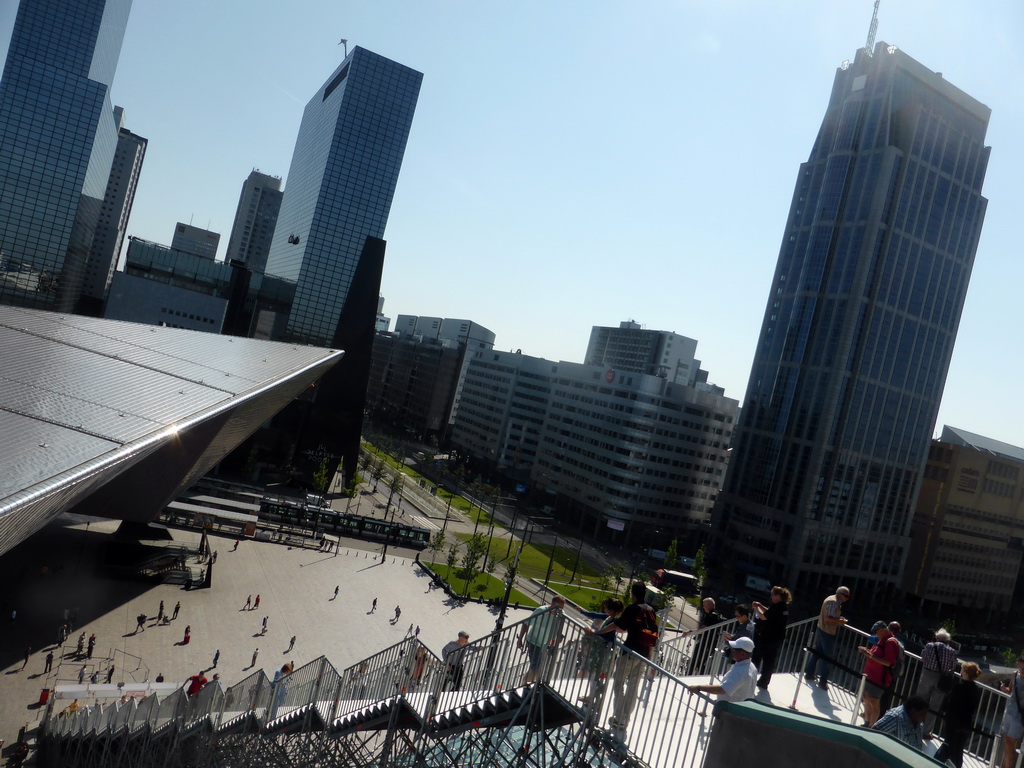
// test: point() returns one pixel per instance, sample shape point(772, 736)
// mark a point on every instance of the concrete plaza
point(57, 570)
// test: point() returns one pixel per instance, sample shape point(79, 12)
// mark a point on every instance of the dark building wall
point(412, 384)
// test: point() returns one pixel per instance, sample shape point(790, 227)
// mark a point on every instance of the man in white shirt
point(740, 683)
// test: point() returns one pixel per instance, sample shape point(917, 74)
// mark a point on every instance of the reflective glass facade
point(57, 141)
point(858, 331)
point(339, 189)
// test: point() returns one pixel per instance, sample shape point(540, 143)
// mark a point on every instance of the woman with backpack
point(641, 626)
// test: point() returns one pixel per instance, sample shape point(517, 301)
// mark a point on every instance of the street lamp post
point(512, 530)
point(575, 565)
point(449, 509)
point(551, 562)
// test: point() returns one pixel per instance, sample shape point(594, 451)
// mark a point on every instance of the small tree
point(322, 478)
point(700, 569)
point(618, 573)
point(377, 471)
point(453, 556)
point(437, 542)
point(672, 555)
point(476, 548)
point(394, 486)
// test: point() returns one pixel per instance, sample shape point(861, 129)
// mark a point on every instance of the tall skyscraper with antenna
point(858, 332)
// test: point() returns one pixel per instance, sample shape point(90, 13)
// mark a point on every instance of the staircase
point(400, 708)
point(394, 708)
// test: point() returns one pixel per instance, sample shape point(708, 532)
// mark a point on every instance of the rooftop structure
point(195, 240)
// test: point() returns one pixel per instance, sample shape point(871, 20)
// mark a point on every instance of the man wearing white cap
point(740, 683)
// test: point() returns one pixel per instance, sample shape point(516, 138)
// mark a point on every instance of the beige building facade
point(967, 536)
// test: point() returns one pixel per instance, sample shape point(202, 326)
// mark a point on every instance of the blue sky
point(579, 162)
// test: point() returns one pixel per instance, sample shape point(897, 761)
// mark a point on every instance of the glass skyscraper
point(857, 333)
point(57, 142)
point(343, 175)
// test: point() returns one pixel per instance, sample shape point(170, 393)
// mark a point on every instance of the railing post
point(799, 678)
point(859, 699)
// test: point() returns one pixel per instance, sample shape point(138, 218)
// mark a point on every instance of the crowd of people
point(946, 687)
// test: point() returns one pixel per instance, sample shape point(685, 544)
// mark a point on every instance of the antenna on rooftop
point(870, 44)
point(344, 42)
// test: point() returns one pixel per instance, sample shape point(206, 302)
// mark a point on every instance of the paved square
point(57, 570)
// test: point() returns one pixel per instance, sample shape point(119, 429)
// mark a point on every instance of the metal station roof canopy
point(118, 418)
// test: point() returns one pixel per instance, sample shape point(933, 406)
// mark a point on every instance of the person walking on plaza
point(237, 542)
point(961, 705)
point(81, 675)
point(49, 662)
point(177, 607)
point(248, 603)
point(188, 635)
point(256, 603)
point(254, 655)
point(939, 661)
point(81, 645)
point(291, 644)
point(110, 674)
point(264, 630)
point(538, 636)
point(336, 588)
point(829, 620)
point(160, 613)
point(28, 652)
point(641, 626)
point(373, 608)
point(140, 623)
point(770, 632)
point(398, 614)
point(740, 683)
point(94, 677)
point(90, 646)
point(216, 658)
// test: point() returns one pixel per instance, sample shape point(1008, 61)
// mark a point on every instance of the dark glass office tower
point(57, 142)
point(343, 175)
point(857, 333)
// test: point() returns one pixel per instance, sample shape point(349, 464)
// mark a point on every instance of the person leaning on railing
point(878, 664)
point(770, 633)
point(961, 704)
point(939, 661)
point(829, 621)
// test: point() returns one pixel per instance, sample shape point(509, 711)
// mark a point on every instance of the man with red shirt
point(880, 658)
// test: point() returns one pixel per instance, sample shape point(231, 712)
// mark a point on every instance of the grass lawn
point(587, 598)
point(536, 559)
point(484, 586)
